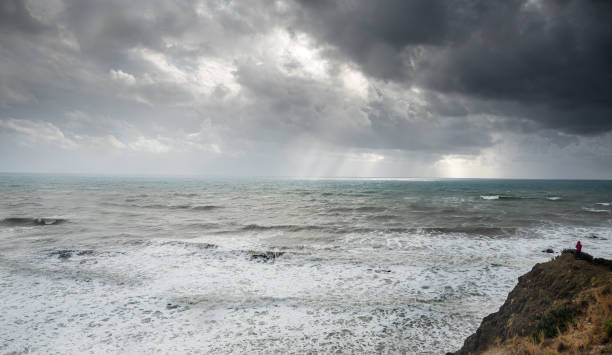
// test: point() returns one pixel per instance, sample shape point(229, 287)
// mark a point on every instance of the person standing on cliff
point(578, 249)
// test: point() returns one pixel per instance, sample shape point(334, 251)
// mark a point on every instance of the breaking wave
point(474, 230)
point(358, 209)
point(500, 197)
point(594, 210)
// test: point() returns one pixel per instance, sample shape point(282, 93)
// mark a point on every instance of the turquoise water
point(274, 265)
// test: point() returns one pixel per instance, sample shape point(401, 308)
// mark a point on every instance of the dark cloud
point(15, 17)
point(401, 84)
point(386, 38)
point(555, 56)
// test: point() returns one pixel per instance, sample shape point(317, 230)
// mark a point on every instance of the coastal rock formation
point(564, 305)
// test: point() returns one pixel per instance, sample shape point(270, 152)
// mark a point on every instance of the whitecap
point(603, 204)
point(553, 198)
point(595, 210)
point(489, 197)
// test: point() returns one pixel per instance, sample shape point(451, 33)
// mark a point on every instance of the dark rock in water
point(207, 246)
point(265, 256)
point(66, 254)
point(190, 245)
point(62, 254)
point(26, 222)
point(172, 306)
point(382, 270)
point(595, 236)
point(548, 251)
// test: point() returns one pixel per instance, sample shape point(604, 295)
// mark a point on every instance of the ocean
point(230, 265)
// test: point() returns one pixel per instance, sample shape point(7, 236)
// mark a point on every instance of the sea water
point(211, 265)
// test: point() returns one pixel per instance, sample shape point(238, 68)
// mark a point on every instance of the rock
point(541, 292)
point(66, 254)
point(548, 251)
point(595, 236)
point(62, 254)
point(382, 270)
point(265, 256)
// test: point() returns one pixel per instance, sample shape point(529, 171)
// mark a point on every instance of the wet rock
point(595, 236)
point(548, 251)
point(26, 221)
point(266, 256)
point(67, 254)
point(62, 254)
point(172, 306)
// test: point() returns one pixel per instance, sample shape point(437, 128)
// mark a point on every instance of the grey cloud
point(282, 109)
point(553, 56)
point(134, 75)
point(184, 29)
point(15, 18)
point(385, 37)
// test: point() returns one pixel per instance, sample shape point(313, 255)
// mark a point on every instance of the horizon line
point(296, 177)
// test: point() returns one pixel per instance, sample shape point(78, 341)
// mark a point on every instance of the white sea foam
point(554, 198)
point(490, 197)
point(388, 292)
point(595, 210)
point(603, 203)
point(296, 274)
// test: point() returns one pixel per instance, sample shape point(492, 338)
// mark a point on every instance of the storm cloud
point(307, 87)
point(553, 56)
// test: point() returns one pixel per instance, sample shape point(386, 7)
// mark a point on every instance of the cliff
point(562, 306)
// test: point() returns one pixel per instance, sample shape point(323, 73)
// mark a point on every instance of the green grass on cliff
point(554, 320)
point(608, 328)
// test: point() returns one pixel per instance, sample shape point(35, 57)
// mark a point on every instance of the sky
point(307, 88)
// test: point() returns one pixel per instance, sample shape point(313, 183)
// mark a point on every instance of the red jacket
point(578, 247)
